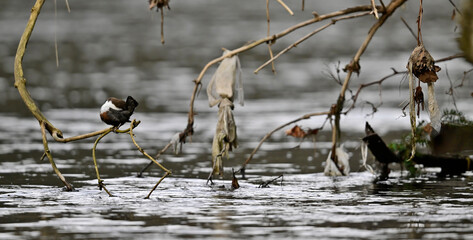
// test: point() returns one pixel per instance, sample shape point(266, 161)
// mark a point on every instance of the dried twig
point(307, 37)
point(455, 6)
point(354, 66)
point(306, 116)
point(273, 68)
point(47, 153)
point(374, 11)
point(409, 27)
point(167, 172)
point(364, 85)
point(285, 7)
point(266, 183)
point(100, 181)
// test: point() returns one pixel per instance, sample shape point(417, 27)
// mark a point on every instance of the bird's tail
point(131, 103)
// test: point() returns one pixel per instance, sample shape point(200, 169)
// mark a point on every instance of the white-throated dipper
point(117, 112)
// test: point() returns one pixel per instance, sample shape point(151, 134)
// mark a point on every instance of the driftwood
point(449, 164)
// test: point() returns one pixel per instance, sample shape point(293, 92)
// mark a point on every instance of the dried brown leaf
point(296, 132)
point(423, 65)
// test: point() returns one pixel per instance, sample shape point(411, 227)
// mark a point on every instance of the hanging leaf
point(235, 184)
point(296, 132)
point(419, 99)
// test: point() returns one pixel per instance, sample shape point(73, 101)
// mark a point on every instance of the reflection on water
point(112, 48)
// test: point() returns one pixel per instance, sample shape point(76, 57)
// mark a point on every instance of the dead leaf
point(235, 184)
point(423, 65)
point(296, 132)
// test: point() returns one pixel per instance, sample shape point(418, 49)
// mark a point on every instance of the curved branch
point(271, 39)
point(20, 80)
point(306, 116)
point(307, 37)
point(354, 66)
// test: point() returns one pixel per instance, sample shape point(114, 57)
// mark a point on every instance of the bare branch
point(307, 37)
point(306, 116)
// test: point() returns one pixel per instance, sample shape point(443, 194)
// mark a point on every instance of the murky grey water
point(112, 48)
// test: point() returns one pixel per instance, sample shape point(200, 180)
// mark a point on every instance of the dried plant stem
point(100, 181)
point(162, 26)
point(155, 186)
point(167, 172)
point(273, 68)
point(285, 7)
point(364, 85)
point(419, 25)
point(156, 157)
point(409, 28)
point(374, 11)
point(389, 10)
point(20, 80)
point(67, 5)
point(306, 116)
point(55, 33)
point(50, 157)
point(412, 111)
point(307, 37)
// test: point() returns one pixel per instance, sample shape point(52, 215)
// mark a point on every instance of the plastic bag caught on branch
point(225, 138)
point(222, 84)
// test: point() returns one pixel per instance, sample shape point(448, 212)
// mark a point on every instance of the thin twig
point(464, 77)
point(306, 116)
point(266, 183)
point(459, 55)
point(55, 33)
point(67, 5)
point(285, 7)
point(419, 25)
point(451, 91)
point(374, 11)
point(271, 38)
point(273, 68)
point(100, 181)
point(412, 111)
point(409, 27)
point(364, 85)
point(167, 172)
point(156, 157)
point(307, 37)
point(162, 26)
point(47, 153)
point(455, 6)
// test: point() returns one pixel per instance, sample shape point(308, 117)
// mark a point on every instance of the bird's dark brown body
point(117, 112)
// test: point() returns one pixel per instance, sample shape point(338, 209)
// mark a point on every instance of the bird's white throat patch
point(107, 105)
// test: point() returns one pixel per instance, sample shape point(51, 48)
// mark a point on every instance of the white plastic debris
point(222, 84)
point(343, 162)
point(364, 157)
point(434, 112)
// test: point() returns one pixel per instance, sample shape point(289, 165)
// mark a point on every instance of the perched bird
point(117, 112)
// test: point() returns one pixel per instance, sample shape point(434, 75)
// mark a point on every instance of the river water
point(112, 48)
